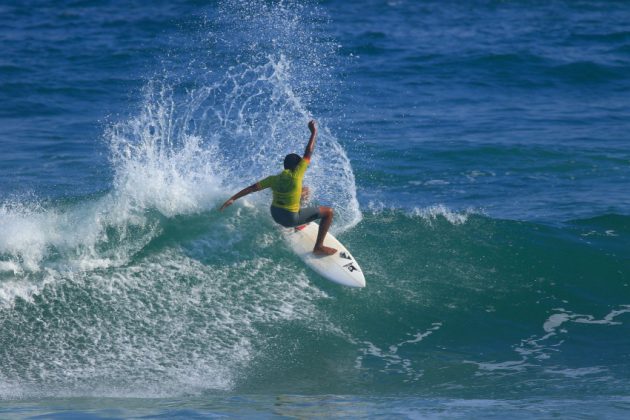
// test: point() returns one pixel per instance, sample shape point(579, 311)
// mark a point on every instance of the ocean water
point(476, 154)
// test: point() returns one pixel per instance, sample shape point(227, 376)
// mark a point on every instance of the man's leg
point(324, 225)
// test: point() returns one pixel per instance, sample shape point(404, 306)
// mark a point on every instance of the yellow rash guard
point(287, 186)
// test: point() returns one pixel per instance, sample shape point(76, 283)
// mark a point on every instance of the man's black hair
point(291, 161)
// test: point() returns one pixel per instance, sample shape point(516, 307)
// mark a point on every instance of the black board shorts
point(291, 219)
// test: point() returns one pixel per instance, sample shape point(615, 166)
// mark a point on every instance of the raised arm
point(242, 193)
point(311, 142)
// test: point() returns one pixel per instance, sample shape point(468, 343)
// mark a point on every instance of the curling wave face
point(185, 150)
point(456, 305)
point(144, 289)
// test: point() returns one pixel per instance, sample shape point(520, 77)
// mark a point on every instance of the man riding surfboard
point(287, 191)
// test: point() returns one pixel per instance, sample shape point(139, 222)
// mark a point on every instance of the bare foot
point(324, 250)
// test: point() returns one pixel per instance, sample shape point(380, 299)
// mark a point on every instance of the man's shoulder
point(268, 181)
point(303, 164)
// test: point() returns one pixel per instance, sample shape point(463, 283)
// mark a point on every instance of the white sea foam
point(578, 372)
point(434, 212)
point(544, 347)
point(168, 325)
point(391, 360)
point(428, 214)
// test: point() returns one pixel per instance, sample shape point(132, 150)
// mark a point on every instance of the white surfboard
point(340, 267)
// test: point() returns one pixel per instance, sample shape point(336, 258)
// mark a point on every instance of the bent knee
point(326, 211)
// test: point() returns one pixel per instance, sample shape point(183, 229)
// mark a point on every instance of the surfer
point(287, 191)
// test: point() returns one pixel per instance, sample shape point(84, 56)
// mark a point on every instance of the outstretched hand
point(226, 204)
point(312, 126)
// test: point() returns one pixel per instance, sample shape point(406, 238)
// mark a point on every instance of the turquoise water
point(475, 156)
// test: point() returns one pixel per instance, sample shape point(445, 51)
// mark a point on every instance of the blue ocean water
point(476, 155)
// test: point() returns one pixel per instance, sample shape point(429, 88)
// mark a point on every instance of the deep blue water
point(476, 154)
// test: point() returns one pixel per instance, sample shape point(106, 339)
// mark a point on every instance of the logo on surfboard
point(351, 268)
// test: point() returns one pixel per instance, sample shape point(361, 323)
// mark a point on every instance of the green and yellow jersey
point(286, 186)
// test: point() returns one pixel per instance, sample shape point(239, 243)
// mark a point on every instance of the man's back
point(286, 186)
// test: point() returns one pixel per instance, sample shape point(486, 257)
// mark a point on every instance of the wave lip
point(434, 212)
point(429, 214)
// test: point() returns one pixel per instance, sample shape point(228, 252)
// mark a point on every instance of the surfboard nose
point(360, 281)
